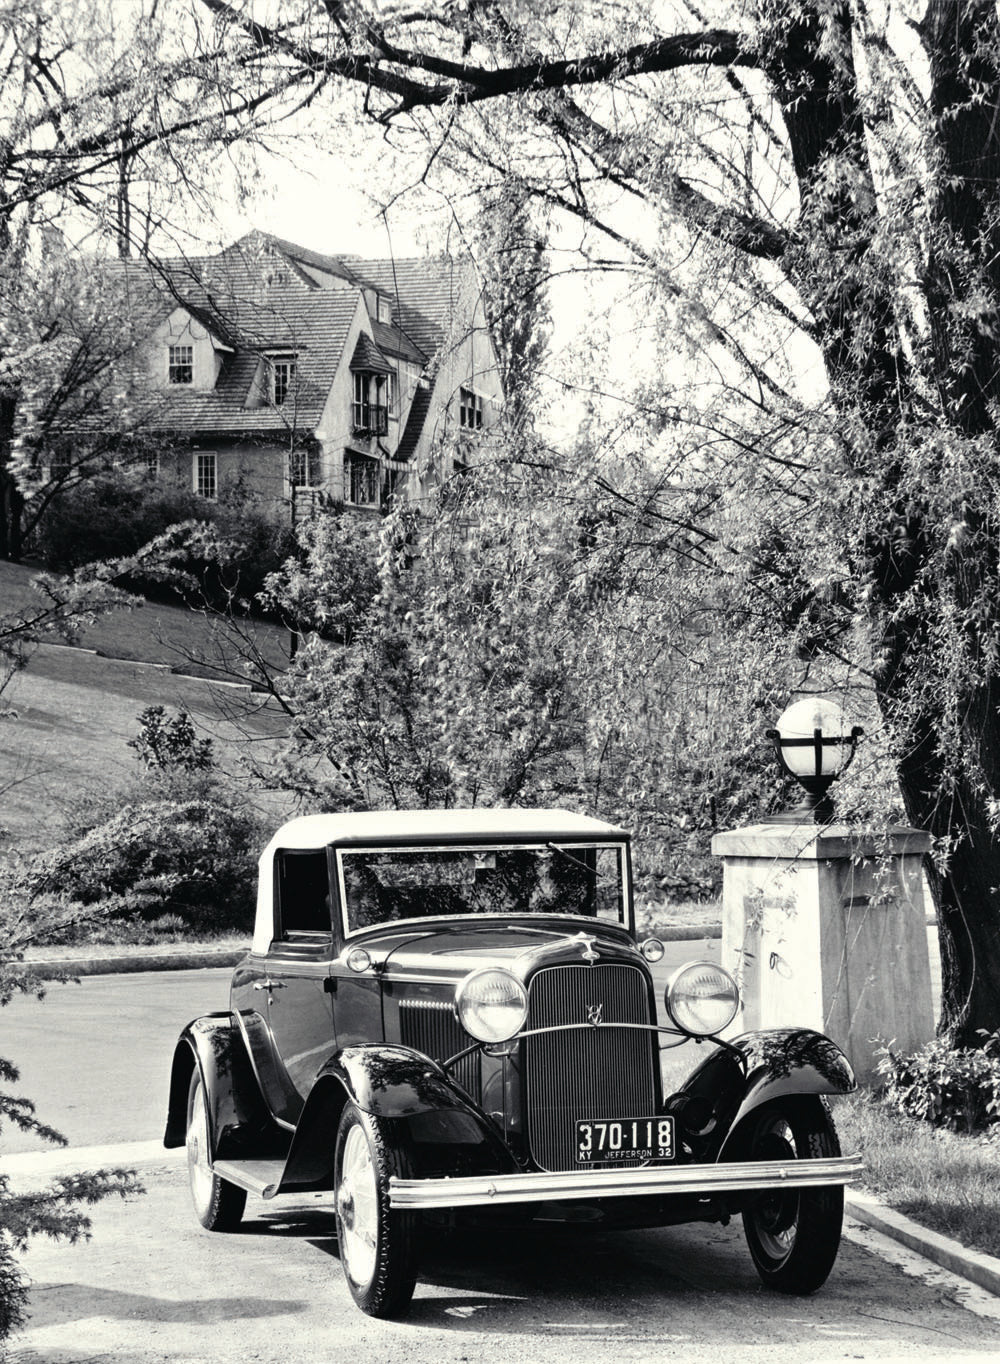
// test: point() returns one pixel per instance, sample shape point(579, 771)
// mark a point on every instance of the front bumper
point(469, 1191)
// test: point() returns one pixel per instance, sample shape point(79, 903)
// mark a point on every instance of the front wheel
point(218, 1204)
point(376, 1242)
point(794, 1234)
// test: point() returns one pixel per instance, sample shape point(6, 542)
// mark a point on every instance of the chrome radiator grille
point(597, 1072)
point(430, 1026)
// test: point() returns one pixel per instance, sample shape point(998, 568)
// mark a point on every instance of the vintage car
point(447, 1014)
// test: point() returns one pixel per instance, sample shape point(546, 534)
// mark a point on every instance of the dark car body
point(344, 1062)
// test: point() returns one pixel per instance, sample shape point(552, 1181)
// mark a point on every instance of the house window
point(470, 410)
point(282, 378)
point(303, 468)
point(374, 396)
point(206, 474)
point(180, 365)
point(150, 461)
point(360, 479)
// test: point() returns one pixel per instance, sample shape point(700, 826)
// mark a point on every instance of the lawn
point(76, 711)
point(153, 632)
point(947, 1182)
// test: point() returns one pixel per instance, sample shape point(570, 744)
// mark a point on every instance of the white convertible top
point(398, 826)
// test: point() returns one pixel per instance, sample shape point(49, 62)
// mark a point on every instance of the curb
point(114, 966)
point(979, 1268)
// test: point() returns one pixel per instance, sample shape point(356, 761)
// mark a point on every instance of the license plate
point(603, 1141)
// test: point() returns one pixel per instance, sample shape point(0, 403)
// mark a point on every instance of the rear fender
point(238, 1120)
point(434, 1122)
point(750, 1071)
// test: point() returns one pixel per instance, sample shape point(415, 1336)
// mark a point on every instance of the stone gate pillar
point(826, 929)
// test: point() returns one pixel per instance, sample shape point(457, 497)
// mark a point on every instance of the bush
point(110, 517)
point(953, 1087)
point(178, 843)
point(169, 744)
point(116, 514)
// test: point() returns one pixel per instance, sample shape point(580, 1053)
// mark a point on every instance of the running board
point(260, 1177)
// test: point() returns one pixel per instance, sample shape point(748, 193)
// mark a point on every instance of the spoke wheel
point(218, 1204)
point(794, 1234)
point(376, 1242)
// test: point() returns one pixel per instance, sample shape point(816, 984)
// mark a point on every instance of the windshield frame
point(622, 846)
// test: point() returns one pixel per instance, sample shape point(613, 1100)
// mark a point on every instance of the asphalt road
point(152, 1286)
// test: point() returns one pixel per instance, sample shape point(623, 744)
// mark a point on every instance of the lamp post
point(824, 925)
point(813, 744)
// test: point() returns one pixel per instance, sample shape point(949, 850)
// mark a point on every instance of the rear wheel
point(376, 1242)
point(794, 1234)
point(218, 1204)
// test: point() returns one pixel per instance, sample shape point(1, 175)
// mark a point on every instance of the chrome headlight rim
point(474, 1024)
point(676, 1002)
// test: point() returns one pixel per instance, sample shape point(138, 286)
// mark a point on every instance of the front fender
point(752, 1070)
point(239, 1123)
point(438, 1125)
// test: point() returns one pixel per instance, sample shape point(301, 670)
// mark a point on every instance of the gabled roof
point(255, 316)
point(425, 293)
point(368, 357)
point(264, 295)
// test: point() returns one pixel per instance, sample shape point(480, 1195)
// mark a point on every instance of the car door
point(289, 1023)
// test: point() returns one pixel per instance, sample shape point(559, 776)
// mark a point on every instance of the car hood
point(449, 952)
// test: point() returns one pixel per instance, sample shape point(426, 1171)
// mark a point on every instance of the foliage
point(947, 1086)
point(507, 658)
point(803, 203)
point(113, 514)
point(328, 586)
point(177, 842)
point(57, 1211)
point(511, 256)
point(166, 744)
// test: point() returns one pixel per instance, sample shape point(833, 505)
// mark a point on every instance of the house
point(301, 377)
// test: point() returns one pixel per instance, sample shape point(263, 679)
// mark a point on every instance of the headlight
point(492, 1005)
point(701, 998)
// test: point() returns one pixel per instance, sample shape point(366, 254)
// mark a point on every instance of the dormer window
point(470, 410)
point(374, 397)
point(384, 310)
point(180, 365)
point(282, 377)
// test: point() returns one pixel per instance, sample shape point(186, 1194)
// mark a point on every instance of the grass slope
point(75, 712)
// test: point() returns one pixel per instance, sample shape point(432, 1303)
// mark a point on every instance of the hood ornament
point(586, 943)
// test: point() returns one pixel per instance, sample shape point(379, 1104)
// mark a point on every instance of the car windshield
point(384, 884)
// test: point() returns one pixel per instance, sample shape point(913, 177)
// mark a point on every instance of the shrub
point(116, 514)
point(178, 843)
point(168, 744)
point(953, 1087)
point(110, 517)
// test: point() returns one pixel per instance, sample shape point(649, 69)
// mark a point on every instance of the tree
point(512, 263)
point(110, 117)
point(823, 176)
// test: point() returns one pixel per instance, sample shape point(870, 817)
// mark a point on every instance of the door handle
point(269, 985)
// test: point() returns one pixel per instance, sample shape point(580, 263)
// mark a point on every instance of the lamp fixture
point(814, 744)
